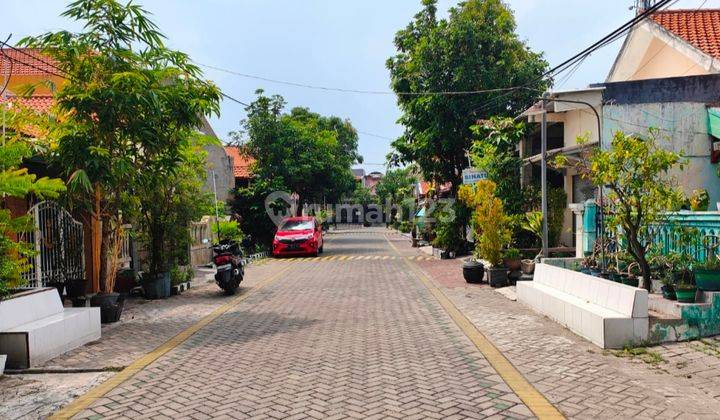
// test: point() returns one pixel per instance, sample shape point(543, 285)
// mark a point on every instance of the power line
point(224, 95)
point(375, 135)
point(358, 91)
point(12, 64)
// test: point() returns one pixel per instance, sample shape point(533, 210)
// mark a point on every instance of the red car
point(298, 236)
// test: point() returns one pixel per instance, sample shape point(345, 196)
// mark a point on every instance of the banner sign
point(472, 176)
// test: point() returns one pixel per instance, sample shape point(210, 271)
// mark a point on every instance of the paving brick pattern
point(343, 339)
point(582, 380)
point(146, 324)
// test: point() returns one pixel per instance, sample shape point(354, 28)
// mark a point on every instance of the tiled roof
point(26, 61)
point(241, 162)
point(700, 28)
point(38, 103)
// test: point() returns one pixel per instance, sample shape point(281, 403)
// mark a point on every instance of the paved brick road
point(339, 339)
point(358, 335)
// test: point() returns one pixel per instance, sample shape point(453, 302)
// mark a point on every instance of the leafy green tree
point(475, 48)
point(494, 150)
point(396, 185)
point(15, 181)
point(249, 204)
point(635, 171)
point(308, 153)
point(362, 196)
point(166, 203)
point(126, 110)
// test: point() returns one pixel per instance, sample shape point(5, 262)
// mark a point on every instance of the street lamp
point(543, 170)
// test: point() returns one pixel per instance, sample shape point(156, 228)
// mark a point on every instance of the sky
point(342, 44)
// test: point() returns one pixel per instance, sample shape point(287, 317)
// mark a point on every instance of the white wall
point(683, 128)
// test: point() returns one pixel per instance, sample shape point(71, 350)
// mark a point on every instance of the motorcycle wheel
point(230, 290)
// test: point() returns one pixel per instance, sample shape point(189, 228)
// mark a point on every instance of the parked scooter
point(229, 263)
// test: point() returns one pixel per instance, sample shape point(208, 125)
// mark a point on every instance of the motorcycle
point(229, 263)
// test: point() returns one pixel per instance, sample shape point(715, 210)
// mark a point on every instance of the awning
point(567, 151)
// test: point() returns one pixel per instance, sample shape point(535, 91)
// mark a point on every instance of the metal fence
point(58, 243)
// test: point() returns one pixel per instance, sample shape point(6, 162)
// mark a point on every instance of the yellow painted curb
point(533, 399)
point(85, 400)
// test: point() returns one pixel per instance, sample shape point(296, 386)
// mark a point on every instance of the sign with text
point(473, 175)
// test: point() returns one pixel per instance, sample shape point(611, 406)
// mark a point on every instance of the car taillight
point(222, 259)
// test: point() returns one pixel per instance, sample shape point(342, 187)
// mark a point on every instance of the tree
point(300, 152)
point(308, 153)
point(494, 150)
point(475, 48)
point(167, 202)
point(396, 185)
point(16, 182)
point(635, 171)
point(362, 196)
point(126, 108)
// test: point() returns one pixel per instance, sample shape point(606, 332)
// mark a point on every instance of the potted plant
point(527, 266)
point(699, 200)
point(491, 225)
point(633, 272)
point(668, 287)
point(685, 292)
point(707, 274)
point(473, 271)
point(512, 259)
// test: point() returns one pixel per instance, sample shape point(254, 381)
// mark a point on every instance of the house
point(241, 165)
point(359, 174)
point(18, 69)
point(371, 180)
point(666, 76)
point(218, 166)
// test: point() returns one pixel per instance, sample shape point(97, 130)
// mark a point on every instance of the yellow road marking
point(531, 397)
point(85, 400)
point(392, 245)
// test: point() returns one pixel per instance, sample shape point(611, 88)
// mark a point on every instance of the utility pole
point(543, 176)
point(217, 213)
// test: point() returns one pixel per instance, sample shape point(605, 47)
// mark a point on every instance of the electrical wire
point(10, 72)
point(358, 91)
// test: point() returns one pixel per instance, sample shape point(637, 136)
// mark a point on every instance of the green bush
point(228, 230)
point(405, 226)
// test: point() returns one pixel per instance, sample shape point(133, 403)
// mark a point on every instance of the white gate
point(58, 243)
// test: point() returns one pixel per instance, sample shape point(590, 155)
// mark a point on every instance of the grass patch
point(709, 347)
point(641, 353)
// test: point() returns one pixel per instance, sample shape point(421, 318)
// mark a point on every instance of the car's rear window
point(298, 225)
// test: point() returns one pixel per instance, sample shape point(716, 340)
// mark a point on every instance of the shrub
point(491, 228)
point(228, 230)
point(448, 230)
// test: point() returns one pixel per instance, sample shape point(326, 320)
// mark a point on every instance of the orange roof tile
point(700, 28)
point(241, 162)
point(26, 61)
point(38, 103)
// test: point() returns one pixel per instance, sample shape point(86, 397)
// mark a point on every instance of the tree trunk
point(105, 245)
point(638, 252)
point(96, 239)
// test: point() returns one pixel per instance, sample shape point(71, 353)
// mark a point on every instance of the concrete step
point(673, 308)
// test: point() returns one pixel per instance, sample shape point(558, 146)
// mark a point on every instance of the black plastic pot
point(159, 287)
point(497, 276)
point(104, 299)
point(473, 271)
point(75, 288)
point(112, 313)
point(668, 292)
